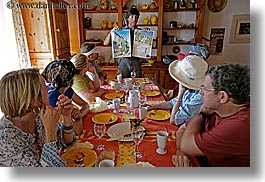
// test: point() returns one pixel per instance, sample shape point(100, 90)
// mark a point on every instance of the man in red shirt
point(221, 132)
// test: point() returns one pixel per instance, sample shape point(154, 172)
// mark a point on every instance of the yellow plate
point(105, 118)
point(89, 157)
point(158, 115)
point(151, 93)
point(113, 95)
point(146, 80)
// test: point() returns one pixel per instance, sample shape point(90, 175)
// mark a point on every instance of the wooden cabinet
point(184, 32)
point(47, 33)
point(181, 27)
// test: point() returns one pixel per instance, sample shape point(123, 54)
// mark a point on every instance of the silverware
point(153, 112)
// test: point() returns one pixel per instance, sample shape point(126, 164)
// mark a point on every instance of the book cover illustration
point(121, 43)
point(142, 43)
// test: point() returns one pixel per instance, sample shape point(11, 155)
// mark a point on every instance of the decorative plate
point(113, 95)
point(151, 93)
point(158, 115)
point(80, 157)
point(121, 131)
point(104, 118)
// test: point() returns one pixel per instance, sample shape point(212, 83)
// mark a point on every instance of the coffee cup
point(162, 137)
point(106, 163)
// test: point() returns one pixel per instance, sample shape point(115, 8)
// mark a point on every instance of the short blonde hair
point(18, 89)
point(79, 61)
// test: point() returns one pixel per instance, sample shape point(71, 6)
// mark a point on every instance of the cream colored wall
point(232, 52)
point(73, 23)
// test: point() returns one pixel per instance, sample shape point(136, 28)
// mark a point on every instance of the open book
point(122, 45)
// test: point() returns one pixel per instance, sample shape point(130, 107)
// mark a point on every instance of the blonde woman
point(29, 130)
point(85, 87)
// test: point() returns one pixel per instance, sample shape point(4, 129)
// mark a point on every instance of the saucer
point(159, 151)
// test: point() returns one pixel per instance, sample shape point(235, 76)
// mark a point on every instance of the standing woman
point(29, 130)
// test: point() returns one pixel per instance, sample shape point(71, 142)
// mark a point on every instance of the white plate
point(120, 129)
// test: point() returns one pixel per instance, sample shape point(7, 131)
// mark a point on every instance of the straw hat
point(190, 72)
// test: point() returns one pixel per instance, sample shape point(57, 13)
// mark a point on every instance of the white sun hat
point(190, 72)
point(94, 50)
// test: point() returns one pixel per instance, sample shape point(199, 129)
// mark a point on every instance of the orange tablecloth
point(124, 150)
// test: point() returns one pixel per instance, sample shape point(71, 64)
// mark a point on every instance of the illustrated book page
point(142, 43)
point(121, 43)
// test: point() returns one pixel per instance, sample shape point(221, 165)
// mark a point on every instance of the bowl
point(91, 7)
point(151, 61)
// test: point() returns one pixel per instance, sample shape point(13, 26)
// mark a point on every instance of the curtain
point(22, 44)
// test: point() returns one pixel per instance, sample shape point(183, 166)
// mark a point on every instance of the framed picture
point(240, 30)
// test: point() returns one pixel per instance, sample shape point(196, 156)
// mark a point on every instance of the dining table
point(124, 150)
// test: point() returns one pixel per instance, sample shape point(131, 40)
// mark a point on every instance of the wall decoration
point(216, 6)
point(217, 41)
point(240, 30)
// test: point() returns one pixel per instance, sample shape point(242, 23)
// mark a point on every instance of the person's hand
point(206, 110)
point(117, 28)
point(181, 160)
point(92, 69)
point(146, 28)
point(172, 119)
point(182, 89)
point(76, 114)
point(169, 94)
point(64, 105)
point(49, 118)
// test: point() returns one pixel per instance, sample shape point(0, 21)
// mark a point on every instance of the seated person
point(83, 85)
point(201, 50)
point(29, 130)
point(59, 76)
point(90, 51)
point(220, 134)
point(189, 73)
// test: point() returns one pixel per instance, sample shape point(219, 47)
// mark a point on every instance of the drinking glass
point(99, 130)
point(126, 100)
point(137, 135)
point(116, 105)
point(126, 89)
point(142, 99)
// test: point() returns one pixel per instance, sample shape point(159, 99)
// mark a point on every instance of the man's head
point(89, 50)
point(132, 17)
point(226, 83)
point(190, 72)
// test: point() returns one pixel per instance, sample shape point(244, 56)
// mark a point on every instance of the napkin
point(99, 106)
point(90, 75)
